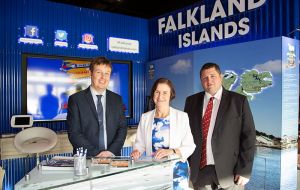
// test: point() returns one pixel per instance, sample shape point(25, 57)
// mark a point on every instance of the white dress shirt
point(103, 101)
point(216, 104)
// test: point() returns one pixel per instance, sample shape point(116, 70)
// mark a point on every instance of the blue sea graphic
point(274, 169)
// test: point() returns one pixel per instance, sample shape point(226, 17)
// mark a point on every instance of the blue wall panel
point(274, 18)
point(48, 17)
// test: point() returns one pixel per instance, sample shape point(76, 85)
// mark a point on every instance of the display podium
point(142, 174)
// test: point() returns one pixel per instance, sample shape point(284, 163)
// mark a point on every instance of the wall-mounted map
point(251, 82)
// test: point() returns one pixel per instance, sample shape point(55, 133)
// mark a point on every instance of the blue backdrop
point(48, 17)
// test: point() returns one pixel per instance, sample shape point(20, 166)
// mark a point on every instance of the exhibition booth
point(45, 54)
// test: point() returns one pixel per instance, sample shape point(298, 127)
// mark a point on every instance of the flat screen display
point(22, 120)
point(48, 81)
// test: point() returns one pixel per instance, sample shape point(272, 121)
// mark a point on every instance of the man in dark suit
point(223, 129)
point(96, 119)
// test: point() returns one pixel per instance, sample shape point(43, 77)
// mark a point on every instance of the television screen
point(48, 81)
point(22, 121)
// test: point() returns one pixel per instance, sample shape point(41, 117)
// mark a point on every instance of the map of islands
point(251, 82)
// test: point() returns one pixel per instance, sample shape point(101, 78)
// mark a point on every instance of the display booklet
point(58, 163)
point(116, 161)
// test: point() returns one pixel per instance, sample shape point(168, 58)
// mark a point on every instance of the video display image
point(50, 82)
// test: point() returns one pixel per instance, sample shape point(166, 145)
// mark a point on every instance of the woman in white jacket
point(165, 131)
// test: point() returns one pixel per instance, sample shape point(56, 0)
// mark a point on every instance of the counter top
point(48, 179)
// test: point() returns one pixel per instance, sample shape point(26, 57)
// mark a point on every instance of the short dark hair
point(100, 61)
point(163, 81)
point(208, 66)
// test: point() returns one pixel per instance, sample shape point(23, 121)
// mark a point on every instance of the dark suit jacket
point(233, 139)
point(83, 126)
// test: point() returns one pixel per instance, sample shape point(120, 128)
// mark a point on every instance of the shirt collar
point(217, 96)
point(95, 93)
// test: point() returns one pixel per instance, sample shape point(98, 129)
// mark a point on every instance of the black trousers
point(208, 180)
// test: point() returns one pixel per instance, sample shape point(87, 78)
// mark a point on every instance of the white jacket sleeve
point(140, 143)
point(187, 146)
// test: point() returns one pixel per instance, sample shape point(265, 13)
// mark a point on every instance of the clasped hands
point(160, 153)
point(105, 153)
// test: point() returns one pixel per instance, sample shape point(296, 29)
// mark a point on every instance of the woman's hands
point(160, 153)
point(135, 154)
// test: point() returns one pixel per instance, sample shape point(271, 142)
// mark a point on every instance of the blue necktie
point(100, 120)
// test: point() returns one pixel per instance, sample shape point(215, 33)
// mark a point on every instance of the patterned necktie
point(205, 127)
point(100, 120)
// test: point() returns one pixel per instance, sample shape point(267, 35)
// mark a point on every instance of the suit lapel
point(149, 124)
point(198, 111)
point(108, 108)
point(222, 108)
point(90, 100)
point(172, 125)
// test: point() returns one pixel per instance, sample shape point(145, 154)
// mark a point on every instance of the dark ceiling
point(136, 8)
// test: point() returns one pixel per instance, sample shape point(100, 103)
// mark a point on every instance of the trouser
point(207, 180)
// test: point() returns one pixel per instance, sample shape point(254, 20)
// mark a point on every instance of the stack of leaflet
point(58, 163)
point(116, 161)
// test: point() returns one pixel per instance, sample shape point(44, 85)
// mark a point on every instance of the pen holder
point(80, 165)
